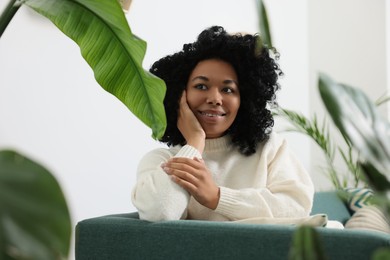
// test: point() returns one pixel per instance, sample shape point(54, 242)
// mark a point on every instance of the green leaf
point(306, 245)
point(265, 31)
point(376, 179)
point(320, 135)
point(34, 217)
point(301, 124)
point(359, 121)
point(381, 254)
point(113, 52)
point(382, 100)
point(7, 15)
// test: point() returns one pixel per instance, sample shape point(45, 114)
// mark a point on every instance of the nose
point(214, 97)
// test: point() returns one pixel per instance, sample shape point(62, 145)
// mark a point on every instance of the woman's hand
point(189, 125)
point(193, 176)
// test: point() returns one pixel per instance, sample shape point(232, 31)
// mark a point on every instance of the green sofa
point(124, 236)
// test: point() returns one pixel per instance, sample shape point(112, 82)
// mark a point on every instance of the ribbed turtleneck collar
point(215, 144)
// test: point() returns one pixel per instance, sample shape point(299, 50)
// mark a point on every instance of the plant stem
point(8, 14)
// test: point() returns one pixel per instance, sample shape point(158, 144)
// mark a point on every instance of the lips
point(212, 113)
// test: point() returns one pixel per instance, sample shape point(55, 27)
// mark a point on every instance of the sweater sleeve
point(155, 195)
point(288, 190)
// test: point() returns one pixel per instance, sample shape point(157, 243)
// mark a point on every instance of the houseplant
point(365, 132)
point(320, 134)
point(360, 123)
point(34, 218)
point(351, 175)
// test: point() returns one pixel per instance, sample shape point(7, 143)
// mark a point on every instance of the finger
point(192, 162)
point(184, 108)
point(183, 167)
point(182, 175)
point(199, 160)
point(188, 186)
point(183, 99)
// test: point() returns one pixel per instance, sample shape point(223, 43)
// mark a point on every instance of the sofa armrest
point(124, 236)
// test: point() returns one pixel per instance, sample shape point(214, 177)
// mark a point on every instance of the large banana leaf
point(357, 118)
point(113, 52)
point(34, 218)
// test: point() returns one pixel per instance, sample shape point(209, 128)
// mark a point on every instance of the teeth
point(210, 115)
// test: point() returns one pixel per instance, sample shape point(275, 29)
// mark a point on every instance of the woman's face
point(213, 96)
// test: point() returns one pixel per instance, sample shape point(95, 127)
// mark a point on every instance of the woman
point(223, 162)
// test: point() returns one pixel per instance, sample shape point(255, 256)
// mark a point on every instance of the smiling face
point(213, 96)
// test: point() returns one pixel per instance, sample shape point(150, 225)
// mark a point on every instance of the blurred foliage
point(34, 217)
point(306, 245)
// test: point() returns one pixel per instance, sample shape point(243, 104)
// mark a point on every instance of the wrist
point(214, 203)
point(198, 143)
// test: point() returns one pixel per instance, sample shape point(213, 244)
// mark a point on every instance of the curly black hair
point(257, 74)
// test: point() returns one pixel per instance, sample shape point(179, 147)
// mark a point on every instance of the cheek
point(191, 101)
point(235, 105)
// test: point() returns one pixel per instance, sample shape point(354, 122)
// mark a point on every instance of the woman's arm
point(191, 173)
point(193, 176)
point(155, 195)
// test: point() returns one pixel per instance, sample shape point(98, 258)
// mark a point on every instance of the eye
point(201, 86)
point(228, 90)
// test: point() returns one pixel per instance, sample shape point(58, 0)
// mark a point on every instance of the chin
point(213, 135)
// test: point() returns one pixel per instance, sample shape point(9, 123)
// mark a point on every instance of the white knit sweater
point(270, 183)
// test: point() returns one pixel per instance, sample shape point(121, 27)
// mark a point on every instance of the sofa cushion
point(369, 218)
point(330, 203)
point(358, 198)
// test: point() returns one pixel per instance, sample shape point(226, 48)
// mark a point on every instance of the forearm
point(197, 142)
point(155, 195)
point(157, 198)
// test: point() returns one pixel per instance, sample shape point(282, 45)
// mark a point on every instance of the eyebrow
point(226, 81)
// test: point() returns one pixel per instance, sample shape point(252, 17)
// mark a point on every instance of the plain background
point(53, 111)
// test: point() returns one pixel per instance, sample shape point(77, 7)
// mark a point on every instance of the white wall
point(288, 24)
point(52, 110)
